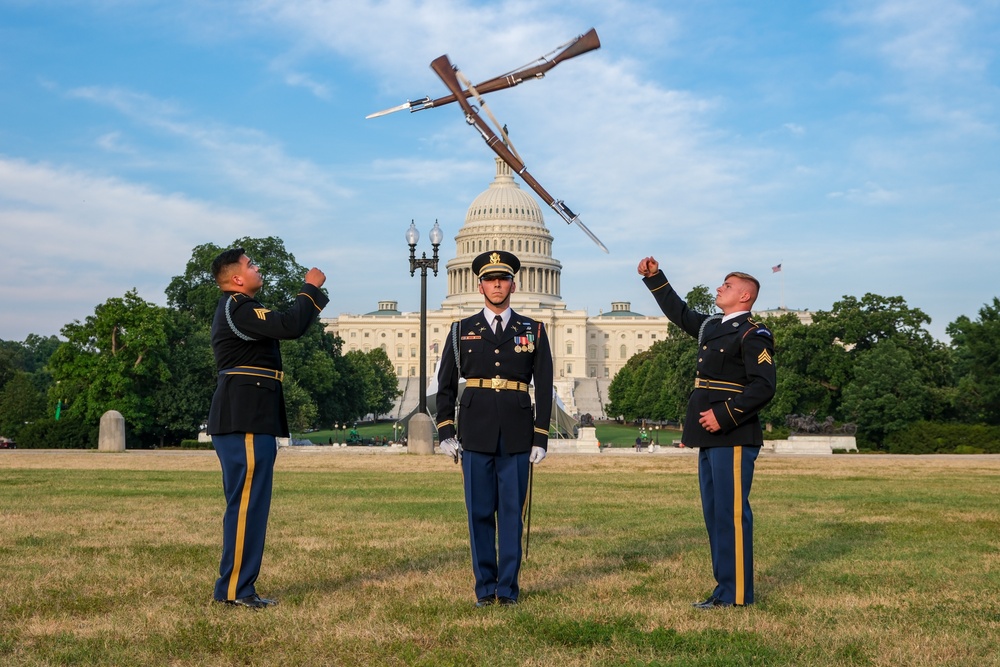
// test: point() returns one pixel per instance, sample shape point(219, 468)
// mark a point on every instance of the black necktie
point(498, 325)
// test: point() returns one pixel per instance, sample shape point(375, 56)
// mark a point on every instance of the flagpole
point(777, 269)
point(782, 288)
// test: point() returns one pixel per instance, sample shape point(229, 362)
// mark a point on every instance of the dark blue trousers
point(725, 475)
point(247, 472)
point(495, 489)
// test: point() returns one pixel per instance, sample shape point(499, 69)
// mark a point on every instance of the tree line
point(869, 361)
point(154, 364)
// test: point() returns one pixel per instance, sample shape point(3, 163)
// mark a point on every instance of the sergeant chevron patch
point(261, 313)
point(764, 358)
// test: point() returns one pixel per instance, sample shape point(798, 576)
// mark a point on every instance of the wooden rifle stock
point(445, 70)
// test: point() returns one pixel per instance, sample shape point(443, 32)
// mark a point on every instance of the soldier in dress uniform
point(735, 379)
point(248, 411)
point(499, 353)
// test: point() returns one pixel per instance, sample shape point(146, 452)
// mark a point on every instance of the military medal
point(531, 342)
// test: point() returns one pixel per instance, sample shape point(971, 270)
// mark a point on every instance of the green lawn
point(610, 434)
point(109, 559)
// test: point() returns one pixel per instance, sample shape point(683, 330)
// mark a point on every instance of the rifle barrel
point(582, 44)
point(446, 72)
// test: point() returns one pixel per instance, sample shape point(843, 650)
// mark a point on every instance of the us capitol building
point(587, 351)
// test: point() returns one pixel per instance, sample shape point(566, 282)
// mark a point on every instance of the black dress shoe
point(251, 602)
point(711, 603)
point(506, 602)
point(486, 601)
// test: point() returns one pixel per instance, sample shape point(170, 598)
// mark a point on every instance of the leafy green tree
point(817, 362)
point(377, 379)
point(976, 346)
point(29, 356)
point(7, 369)
point(625, 398)
point(299, 406)
point(315, 362)
point(887, 393)
point(181, 403)
point(619, 405)
point(69, 432)
point(115, 360)
point(655, 384)
point(383, 388)
point(673, 368)
point(197, 293)
point(701, 299)
point(863, 323)
point(812, 369)
point(20, 403)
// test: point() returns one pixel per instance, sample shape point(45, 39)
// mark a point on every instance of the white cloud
point(870, 194)
point(243, 158)
point(73, 240)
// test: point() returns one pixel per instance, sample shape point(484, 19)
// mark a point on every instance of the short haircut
point(750, 279)
point(223, 264)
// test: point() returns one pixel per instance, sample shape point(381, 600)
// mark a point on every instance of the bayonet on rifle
point(582, 44)
point(446, 71)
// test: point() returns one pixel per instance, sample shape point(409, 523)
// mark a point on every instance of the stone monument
point(420, 434)
point(111, 437)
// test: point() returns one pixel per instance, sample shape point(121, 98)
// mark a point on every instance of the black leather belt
point(269, 373)
point(718, 385)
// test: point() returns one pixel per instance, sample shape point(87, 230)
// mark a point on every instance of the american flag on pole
point(775, 269)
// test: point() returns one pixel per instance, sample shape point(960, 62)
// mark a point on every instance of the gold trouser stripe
point(738, 522)
point(241, 522)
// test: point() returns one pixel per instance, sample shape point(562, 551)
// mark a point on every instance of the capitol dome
point(505, 217)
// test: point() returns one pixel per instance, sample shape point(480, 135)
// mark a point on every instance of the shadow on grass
point(797, 565)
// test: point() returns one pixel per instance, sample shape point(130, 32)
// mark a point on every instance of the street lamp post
point(421, 439)
point(423, 263)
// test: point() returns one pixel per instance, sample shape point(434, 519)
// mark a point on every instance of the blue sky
point(855, 143)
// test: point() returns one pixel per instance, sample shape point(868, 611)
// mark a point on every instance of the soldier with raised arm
point(248, 412)
point(735, 379)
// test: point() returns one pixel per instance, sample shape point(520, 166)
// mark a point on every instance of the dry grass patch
point(109, 559)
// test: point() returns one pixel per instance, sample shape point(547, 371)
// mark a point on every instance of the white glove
point(537, 454)
point(452, 448)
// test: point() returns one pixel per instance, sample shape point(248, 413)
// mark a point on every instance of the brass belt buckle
point(498, 383)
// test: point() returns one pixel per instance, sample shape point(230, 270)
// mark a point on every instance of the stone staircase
point(589, 395)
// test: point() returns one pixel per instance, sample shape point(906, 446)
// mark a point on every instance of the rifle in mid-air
point(536, 70)
point(450, 76)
